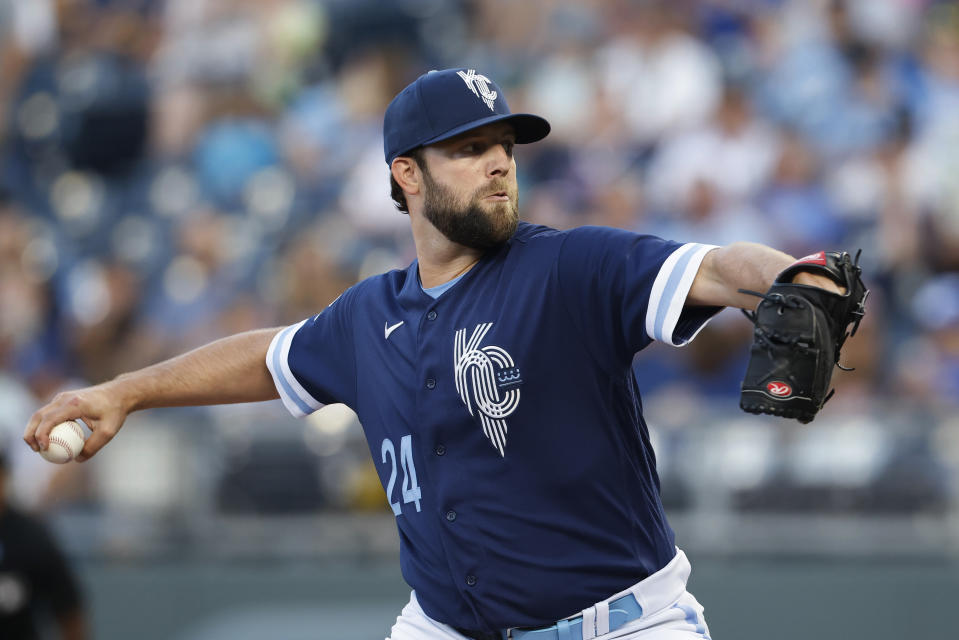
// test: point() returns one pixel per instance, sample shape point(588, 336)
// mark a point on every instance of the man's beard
point(471, 225)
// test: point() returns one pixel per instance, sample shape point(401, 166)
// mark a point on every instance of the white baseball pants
point(669, 612)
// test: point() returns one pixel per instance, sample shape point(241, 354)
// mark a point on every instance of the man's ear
point(407, 175)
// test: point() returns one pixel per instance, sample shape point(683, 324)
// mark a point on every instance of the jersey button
point(431, 315)
point(451, 515)
point(470, 580)
point(430, 383)
point(440, 450)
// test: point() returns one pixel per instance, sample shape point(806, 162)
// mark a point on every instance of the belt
point(621, 611)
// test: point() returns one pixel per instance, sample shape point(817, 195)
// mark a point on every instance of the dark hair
point(396, 191)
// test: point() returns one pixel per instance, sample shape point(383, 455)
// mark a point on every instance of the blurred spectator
point(796, 203)
point(666, 80)
point(38, 590)
point(736, 153)
point(175, 171)
point(929, 365)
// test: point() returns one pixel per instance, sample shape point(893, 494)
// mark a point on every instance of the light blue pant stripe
point(693, 618)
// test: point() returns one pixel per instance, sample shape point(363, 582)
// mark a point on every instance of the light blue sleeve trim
point(670, 288)
point(296, 399)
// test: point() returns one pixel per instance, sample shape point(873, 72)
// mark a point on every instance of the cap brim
point(528, 128)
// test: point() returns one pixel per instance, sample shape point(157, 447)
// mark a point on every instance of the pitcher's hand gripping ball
point(66, 442)
point(799, 331)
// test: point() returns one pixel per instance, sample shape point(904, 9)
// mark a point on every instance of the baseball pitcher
point(492, 378)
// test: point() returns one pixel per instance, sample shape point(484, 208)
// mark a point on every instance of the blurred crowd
point(172, 172)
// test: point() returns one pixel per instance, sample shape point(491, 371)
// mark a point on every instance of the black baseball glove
point(798, 333)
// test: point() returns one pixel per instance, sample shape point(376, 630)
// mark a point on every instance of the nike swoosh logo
point(388, 329)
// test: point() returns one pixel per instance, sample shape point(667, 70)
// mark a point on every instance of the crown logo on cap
point(479, 85)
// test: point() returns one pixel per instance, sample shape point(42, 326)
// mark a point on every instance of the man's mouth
point(498, 196)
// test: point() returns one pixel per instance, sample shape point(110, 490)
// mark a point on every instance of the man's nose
point(499, 160)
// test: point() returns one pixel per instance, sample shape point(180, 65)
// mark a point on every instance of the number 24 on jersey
point(410, 488)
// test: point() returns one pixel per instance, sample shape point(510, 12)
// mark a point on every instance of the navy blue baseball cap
point(442, 104)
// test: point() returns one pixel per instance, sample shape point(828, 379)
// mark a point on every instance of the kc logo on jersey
point(479, 85)
point(488, 382)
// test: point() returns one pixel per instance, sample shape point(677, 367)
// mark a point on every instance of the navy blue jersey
point(504, 419)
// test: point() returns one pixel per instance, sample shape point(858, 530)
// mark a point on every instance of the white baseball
point(66, 442)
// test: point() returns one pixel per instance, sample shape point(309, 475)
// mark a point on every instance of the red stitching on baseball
point(76, 428)
point(62, 443)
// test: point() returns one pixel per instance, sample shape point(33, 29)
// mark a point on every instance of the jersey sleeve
point(668, 319)
point(625, 289)
point(313, 363)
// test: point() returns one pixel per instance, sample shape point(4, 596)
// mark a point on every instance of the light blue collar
point(440, 289)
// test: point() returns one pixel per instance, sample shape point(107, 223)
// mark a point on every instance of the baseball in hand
point(66, 442)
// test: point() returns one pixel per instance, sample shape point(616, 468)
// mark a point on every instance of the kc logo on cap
point(435, 107)
point(480, 86)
